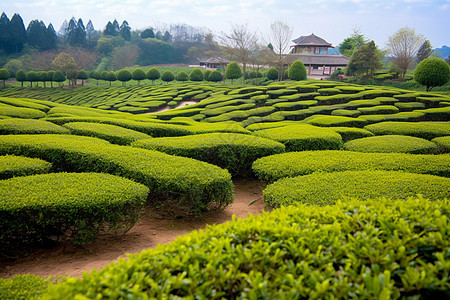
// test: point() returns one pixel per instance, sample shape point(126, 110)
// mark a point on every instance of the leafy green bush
point(374, 249)
point(297, 71)
point(409, 106)
point(167, 176)
point(167, 76)
point(111, 133)
point(378, 110)
point(407, 116)
point(351, 133)
point(278, 166)
point(196, 75)
point(328, 91)
point(327, 121)
point(272, 74)
point(327, 188)
point(432, 72)
point(443, 143)
point(436, 114)
point(303, 137)
point(24, 103)
point(295, 105)
point(20, 126)
point(425, 130)
point(11, 166)
point(23, 287)
point(73, 204)
point(392, 143)
point(231, 151)
point(21, 112)
point(346, 113)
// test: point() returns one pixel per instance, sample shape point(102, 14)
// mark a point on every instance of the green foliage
point(278, 166)
point(168, 177)
point(351, 133)
point(167, 76)
point(327, 121)
point(272, 74)
point(29, 126)
point(111, 133)
point(196, 75)
point(365, 60)
point(231, 151)
point(327, 188)
point(138, 75)
point(21, 112)
point(182, 76)
point(303, 137)
point(73, 204)
point(59, 77)
point(215, 76)
point(375, 249)
point(443, 143)
point(297, 71)
point(124, 76)
point(378, 110)
point(23, 287)
point(11, 166)
point(432, 72)
point(425, 130)
point(233, 71)
point(392, 143)
point(111, 76)
point(4, 75)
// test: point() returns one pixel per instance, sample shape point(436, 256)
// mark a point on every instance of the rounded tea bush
point(432, 72)
point(196, 75)
point(392, 143)
point(425, 130)
point(11, 166)
point(297, 71)
point(29, 126)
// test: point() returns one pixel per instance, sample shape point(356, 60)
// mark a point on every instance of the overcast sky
point(332, 20)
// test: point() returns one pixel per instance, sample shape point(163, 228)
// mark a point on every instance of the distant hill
point(444, 51)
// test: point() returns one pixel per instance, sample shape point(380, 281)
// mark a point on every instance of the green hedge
point(24, 103)
point(425, 130)
point(335, 121)
point(295, 105)
point(278, 166)
point(375, 249)
point(303, 137)
point(29, 126)
point(23, 287)
point(379, 110)
point(407, 116)
point(11, 166)
point(392, 143)
point(351, 133)
point(327, 188)
point(443, 143)
point(167, 176)
point(21, 112)
point(409, 106)
point(74, 205)
point(346, 113)
point(436, 114)
point(113, 134)
point(231, 151)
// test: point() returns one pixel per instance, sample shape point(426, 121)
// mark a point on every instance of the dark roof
point(320, 59)
point(311, 40)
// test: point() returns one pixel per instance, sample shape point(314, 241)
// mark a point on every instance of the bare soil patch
point(150, 231)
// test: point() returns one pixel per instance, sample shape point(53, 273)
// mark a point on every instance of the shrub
point(112, 133)
point(167, 76)
point(4, 75)
point(182, 76)
point(21, 126)
point(233, 71)
point(378, 110)
point(231, 151)
point(73, 204)
point(354, 249)
point(333, 121)
point(167, 176)
point(297, 71)
point(278, 166)
point(21, 112)
point(436, 114)
point(432, 72)
point(328, 91)
point(206, 74)
point(295, 105)
point(272, 74)
point(425, 130)
point(443, 143)
point(408, 116)
point(111, 76)
point(138, 75)
point(59, 77)
point(215, 76)
point(28, 103)
point(23, 287)
point(327, 188)
point(83, 75)
point(351, 133)
point(196, 75)
point(124, 76)
point(346, 113)
point(392, 143)
point(409, 106)
point(11, 166)
point(153, 74)
point(303, 137)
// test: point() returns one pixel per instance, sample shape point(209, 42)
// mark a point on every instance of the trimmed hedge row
point(333, 121)
point(231, 151)
point(76, 205)
point(11, 166)
point(24, 103)
point(425, 130)
point(21, 112)
point(29, 126)
point(168, 177)
point(374, 249)
point(351, 133)
point(111, 133)
point(327, 188)
point(392, 143)
point(303, 137)
point(272, 168)
point(443, 143)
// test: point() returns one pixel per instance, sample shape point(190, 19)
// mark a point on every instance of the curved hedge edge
point(392, 143)
point(443, 143)
point(11, 166)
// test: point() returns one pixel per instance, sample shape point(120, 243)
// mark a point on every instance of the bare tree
point(240, 43)
point(279, 37)
point(403, 45)
point(125, 56)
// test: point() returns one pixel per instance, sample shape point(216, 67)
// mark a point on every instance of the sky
point(332, 20)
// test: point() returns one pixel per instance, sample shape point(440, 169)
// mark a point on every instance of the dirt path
point(148, 233)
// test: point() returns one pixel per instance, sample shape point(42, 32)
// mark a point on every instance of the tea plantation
point(361, 174)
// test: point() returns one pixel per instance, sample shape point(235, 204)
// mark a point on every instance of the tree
point(90, 31)
point(138, 75)
point(59, 77)
point(42, 77)
point(110, 29)
point(352, 43)
point(41, 37)
point(240, 43)
point(182, 76)
point(153, 74)
point(66, 63)
point(83, 75)
point(32, 76)
point(279, 39)
point(424, 51)
point(49, 77)
point(95, 75)
point(111, 76)
point(4, 75)
point(147, 33)
point(125, 31)
point(124, 76)
point(125, 56)
point(365, 60)
point(272, 74)
point(432, 72)
point(297, 71)
point(206, 74)
point(215, 76)
point(21, 76)
point(196, 75)
point(18, 33)
point(233, 71)
point(403, 45)
point(167, 76)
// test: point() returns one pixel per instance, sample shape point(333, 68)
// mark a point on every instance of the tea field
point(360, 175)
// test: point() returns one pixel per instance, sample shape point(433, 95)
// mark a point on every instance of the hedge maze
point(361, 173)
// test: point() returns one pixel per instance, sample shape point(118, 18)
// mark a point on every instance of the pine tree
point(18, 33)
point(5, 35)
point(424, 51)
point(125, 31)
